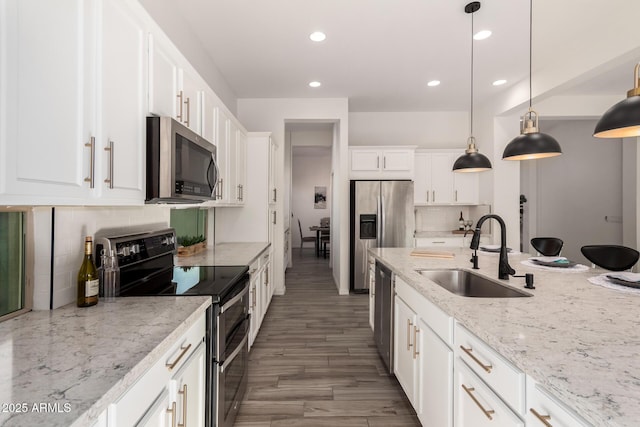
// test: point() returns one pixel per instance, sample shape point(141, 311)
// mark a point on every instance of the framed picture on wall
point(320, 198)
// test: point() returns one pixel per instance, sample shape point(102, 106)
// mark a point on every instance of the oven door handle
point(233, 355)
point(234, 300)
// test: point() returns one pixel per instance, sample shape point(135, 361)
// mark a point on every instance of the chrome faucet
point(504, 269)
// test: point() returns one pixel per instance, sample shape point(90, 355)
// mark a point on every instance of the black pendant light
point(472, 160)
point(531, 143)
point(623, 119)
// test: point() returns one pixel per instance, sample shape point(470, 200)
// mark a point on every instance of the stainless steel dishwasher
point(383, 315)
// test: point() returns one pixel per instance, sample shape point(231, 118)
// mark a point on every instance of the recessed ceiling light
point(433, 83)
point(481, 35)
point(499, 82)
point(315, 84)
point(317, 36)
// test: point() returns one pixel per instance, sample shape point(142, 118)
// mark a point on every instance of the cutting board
point(427, 253)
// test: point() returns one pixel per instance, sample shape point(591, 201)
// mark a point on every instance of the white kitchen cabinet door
point(222, 155)
point(442, 178)
point(123, 86)
point(48, 79)
point(209, 116)
point(397, 161)
point(466, 187)
point(163, 77)
point(160, 414)
point(189, 389)
point(232, 178)
point(434, 400)
point(255, 301)
point(189, 88)
point(241, 166)
point(422, 179)
point(476, 405)
point(365, 160)
point(273, 191)
point(404, 352)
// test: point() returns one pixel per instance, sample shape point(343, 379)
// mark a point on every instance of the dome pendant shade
point(471, 160)
point(623, 119)
point(531, 143)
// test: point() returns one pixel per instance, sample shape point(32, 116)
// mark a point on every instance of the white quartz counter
point(578, 340)
point(63, 367)
point(225, 254)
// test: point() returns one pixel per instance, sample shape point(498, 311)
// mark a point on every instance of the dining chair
point(325, 242)
point(611, 257)
point(547, 246)
point(304, 238)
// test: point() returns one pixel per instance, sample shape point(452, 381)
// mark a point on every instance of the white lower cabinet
point(261, 291)
point(155, 399)
point(372, 291)
point(476, 405)
point(405, 365)
point(545, 410)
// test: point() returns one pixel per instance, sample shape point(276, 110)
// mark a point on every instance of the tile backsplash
point(71, 225)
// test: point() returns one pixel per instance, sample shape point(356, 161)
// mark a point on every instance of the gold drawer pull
point(487, 412)
point(184, 351)
point(487, 368)
point(409, 324)
point(415, 342)
point(173, 414)
point(544, 419)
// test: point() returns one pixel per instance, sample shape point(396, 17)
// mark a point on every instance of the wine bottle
point(461, 222)
point(88, 279)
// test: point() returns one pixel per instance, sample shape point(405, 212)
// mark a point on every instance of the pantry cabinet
point(436, 183)
point(84, 64)
point(381, 162)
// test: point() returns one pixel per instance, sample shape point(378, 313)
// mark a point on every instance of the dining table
point(320, 230)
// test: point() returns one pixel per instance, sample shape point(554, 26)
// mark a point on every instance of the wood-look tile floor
point(314, 361)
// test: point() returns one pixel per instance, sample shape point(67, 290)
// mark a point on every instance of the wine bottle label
point(92, 287)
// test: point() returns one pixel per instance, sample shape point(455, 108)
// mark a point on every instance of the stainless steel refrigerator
point(381, 216)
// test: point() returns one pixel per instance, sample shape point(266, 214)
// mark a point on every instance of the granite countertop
point(578, 340)
point(232, 253)
point(75, 361)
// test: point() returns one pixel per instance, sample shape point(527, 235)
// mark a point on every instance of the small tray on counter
point(559, 262)
point(622, 279)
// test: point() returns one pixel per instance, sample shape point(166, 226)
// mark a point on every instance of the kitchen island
point(578, 340)
point(64, 367)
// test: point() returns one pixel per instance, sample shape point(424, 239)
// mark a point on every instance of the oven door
point(231, 323)
point(231, 380)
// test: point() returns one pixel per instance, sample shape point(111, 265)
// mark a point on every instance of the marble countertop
point(75, 361)
point(578, 340)
point(231, 253)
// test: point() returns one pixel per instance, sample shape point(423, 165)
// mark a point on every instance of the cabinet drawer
point(499, 374)
point(141, 395)
point(542, 407)
point(440, 322)
point(440, 241)
point(476, 405)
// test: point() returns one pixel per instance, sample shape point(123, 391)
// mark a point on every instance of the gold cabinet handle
point(179, 116)
point(183, 392)
point(434, 196)
point(427, 195)
point(409, 324)
point(487, 412)
point(275, 194)
point(378, 162)
point(266, 281)
point(172, 410)
point(170, 366)
point(92, 162)
point(456, 195)
point(415, 342)
point(253, 297)
point(384, 162)
point(109, 179)
point(220, 187)
point(487, 368)
point(188, 104)
point(544, 419)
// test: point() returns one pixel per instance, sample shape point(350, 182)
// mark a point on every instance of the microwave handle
point(215, 177)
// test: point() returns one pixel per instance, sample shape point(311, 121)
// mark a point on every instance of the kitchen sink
point(469, 284)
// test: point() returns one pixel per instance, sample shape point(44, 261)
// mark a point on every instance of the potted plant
point(189, 245)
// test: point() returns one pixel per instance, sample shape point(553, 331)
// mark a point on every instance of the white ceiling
point(378, 53)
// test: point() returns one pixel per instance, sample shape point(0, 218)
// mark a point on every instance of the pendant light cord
point(471, 130)
point(530, 49)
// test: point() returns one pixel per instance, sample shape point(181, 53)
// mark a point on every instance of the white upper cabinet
point(241, 165)
point(381, 162)
point(436, 183)
point(48, 82)
point(81, 67)
point(123, 89)
point(190, 87)
point(163, 77)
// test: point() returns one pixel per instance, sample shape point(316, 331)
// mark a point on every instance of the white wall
point(71, 226)
point(271, 115)
point(311, 168)
point(574, 192)
point(433, 129)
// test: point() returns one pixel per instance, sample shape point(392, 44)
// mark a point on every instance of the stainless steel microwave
point(181, 165)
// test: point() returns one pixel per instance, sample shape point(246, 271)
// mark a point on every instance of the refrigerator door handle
point(365, 246)
point(382, 220)
point(379, 224)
